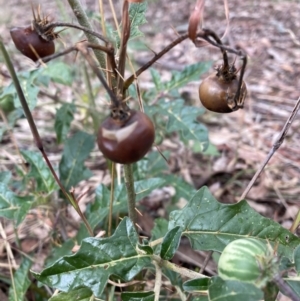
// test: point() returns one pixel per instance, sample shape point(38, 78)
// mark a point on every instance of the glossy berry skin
point(23, 37)
point(126, 142)
point(217, 94)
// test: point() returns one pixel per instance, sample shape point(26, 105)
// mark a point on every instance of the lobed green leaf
point(210, 225)
point(96, 260)
point(11, 205)
point(71, 166)
point(137, 17)
point(63, 118)
point(59, 72)
point(188, 74)
point(40, 172)
point(98, 211)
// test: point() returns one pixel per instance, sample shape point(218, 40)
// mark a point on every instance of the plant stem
point(129, 182)
point(158, 276)
point(84, 21)
point(84, 51)
point(156, 57)
point(111, 201)
point(175, 268)
point(123, 47)
point(285, 288)
point(275, 147)
point(88, 30)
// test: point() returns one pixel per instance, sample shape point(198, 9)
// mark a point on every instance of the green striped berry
point(248, 260)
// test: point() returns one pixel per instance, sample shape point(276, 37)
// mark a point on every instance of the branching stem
point(82, 28)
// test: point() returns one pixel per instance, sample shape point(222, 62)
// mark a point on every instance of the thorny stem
point(285, 288)
point(209, 33)
point(84, 21)
point(71, 25)
point(204, 34)
point(175, 268)
point(131, 195)
point(108, 50)
point(82, 47)
point(275, 147)
point(35, 132)
point(156, 57)
point(123, 48)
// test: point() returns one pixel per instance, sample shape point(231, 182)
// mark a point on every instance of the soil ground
point(269, 32)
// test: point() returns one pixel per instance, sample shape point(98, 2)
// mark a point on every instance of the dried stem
point(123, 47)
point(275, 147)
point(83, 48)
point(109, 50)
point(205, 34)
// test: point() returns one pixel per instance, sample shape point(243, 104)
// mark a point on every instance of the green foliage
point(59, 72)
point(96, 260)
point(30, 89)
point(5, 177)
point(137, 296)
point(21, 281)
point(180, 78)
point(13, 206)
point(63, 118)
point(182, 119)
point(137, 17)
point(297, 259)
point(208, 224)
point(170, 243)
point(79, 294)
point(39, 172)
point(98, 211)
point(196, 285)
point(12, 118)
point(233, 290)
point(71, 166)
point(211, 225)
